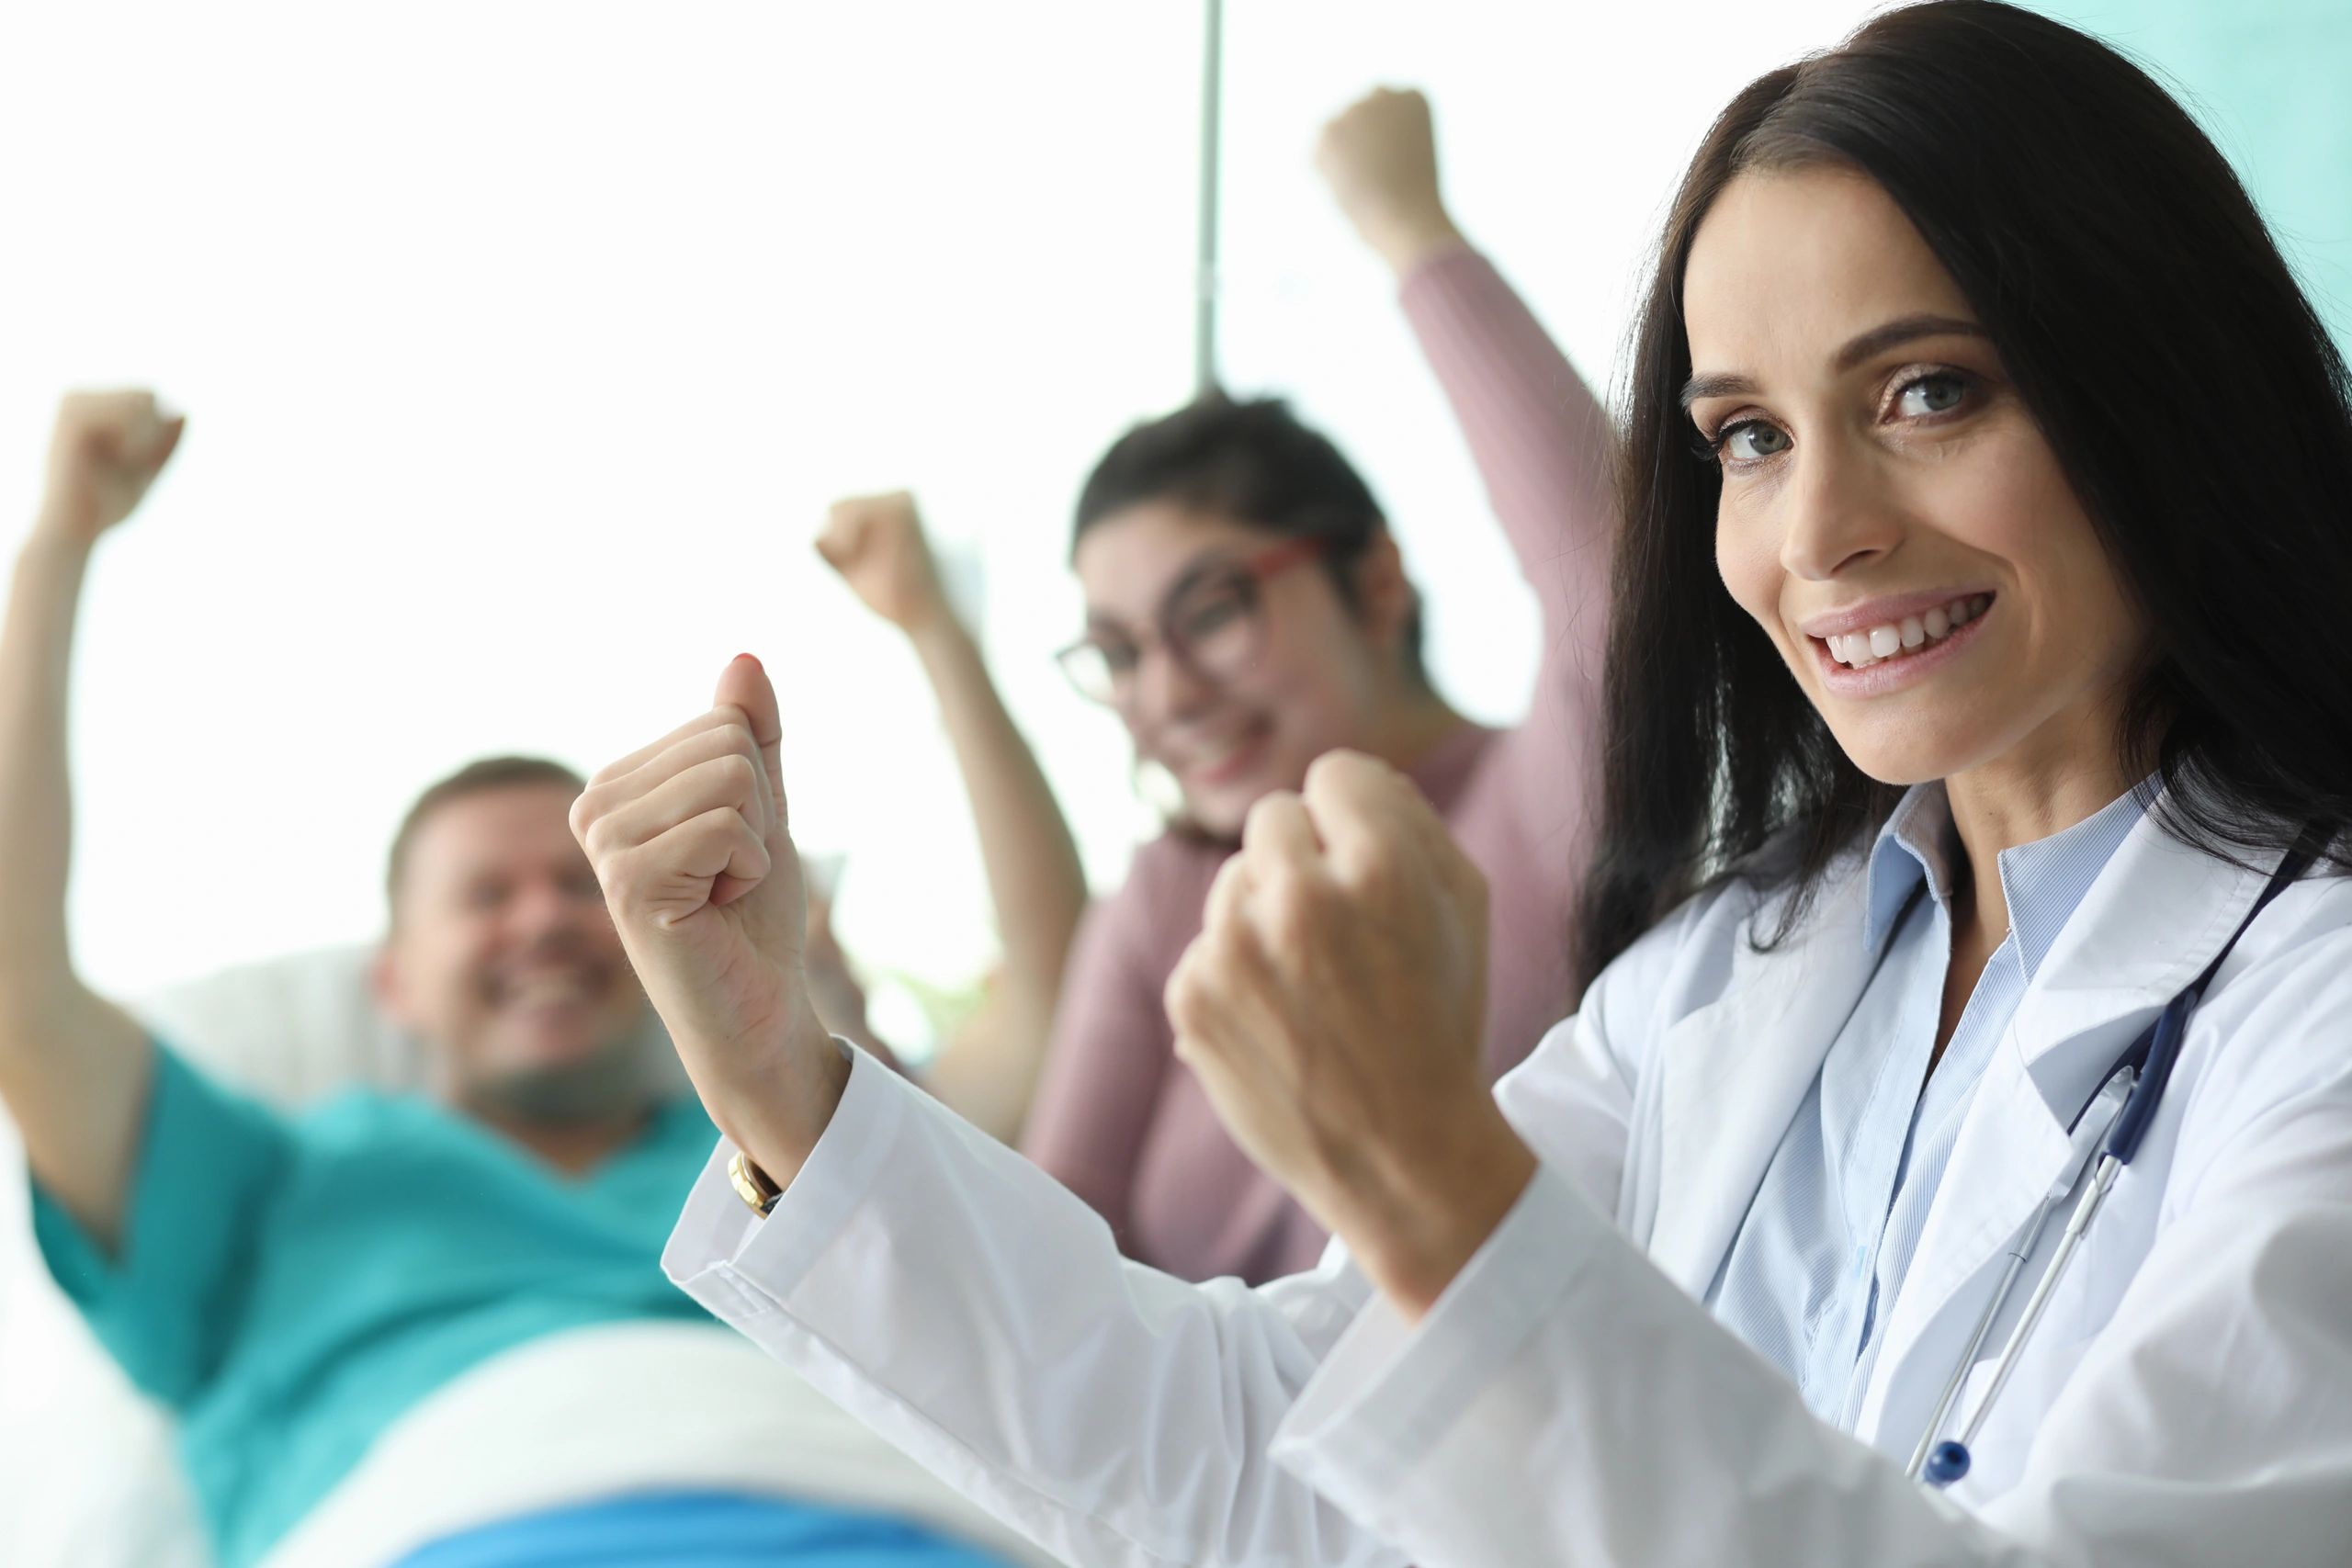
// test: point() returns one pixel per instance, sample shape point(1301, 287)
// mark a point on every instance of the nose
point(542, 907)
point(1838, 516)
point(1166, 689)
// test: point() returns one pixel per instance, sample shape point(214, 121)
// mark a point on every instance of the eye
point(1750, 440)
point(1118, 657)
point(1938, 392)
point(1210, 614)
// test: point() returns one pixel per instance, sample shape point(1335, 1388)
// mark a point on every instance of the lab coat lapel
point(1734, 1072)
point(2155, 917)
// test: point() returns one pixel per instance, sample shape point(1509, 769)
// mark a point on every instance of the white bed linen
point(597, 1413)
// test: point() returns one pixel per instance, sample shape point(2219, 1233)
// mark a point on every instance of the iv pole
point(1205, 279)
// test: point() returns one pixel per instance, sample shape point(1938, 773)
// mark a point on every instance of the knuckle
point(1260, 819)
point(620, 875)
point(1294, 912)
point(736, 774)
point(1182, 996)
point(598, 839)
point(1322, 772)
point(1469, 879)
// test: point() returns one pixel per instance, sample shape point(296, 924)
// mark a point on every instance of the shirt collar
point(2044, 882)
point(1914, 847)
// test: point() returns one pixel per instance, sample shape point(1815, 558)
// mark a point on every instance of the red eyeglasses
point(1213, 623)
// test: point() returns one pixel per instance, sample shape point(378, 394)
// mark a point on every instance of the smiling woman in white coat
point(1981, 697)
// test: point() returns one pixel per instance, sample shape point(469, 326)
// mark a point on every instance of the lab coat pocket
point(2005, 1442)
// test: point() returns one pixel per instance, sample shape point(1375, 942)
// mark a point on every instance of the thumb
point(834, 545)
point(744, 684)
point(167, 440)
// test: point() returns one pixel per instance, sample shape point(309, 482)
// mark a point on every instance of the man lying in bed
point(398, 1310)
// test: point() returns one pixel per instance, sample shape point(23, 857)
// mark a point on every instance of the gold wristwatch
point(753, 1185)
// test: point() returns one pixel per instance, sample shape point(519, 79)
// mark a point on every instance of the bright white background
point(524, 342)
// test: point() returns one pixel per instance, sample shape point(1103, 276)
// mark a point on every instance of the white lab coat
point(2187, 1401)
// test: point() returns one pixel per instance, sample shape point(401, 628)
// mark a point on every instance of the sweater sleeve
point(1108, 1061)
point(1544, 447)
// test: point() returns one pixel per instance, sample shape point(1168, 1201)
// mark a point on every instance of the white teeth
point(1859, 650)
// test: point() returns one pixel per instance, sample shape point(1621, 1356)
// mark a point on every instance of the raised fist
point(690, 842)
point(1334, 1001)
point(1379, 156)
point(875, 543)
point(108, 450)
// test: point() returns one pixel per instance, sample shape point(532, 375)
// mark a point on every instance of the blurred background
point(524, 342)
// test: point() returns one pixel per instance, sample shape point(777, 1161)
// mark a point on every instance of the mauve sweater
point(1123, 1123)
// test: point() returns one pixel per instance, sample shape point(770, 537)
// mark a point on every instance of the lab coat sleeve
point(976, 1314)
point(1563, 1403)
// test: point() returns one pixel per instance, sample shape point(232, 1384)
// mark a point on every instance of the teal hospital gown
point(290, 1286)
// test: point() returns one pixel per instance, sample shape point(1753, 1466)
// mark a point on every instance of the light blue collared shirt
point(1833, 1226)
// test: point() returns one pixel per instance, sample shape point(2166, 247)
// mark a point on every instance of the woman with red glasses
point(1246, 612)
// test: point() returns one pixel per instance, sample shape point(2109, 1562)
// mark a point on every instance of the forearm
point(35, 806)
point(953, 1296)
point(1035, 881)
point(73, 1067)
point(1541, 439)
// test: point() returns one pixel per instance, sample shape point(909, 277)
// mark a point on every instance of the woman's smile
point(1898, 651)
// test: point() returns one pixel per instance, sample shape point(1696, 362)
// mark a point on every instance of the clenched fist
point(107, 448)
point(1379, 156)
point(1332, 1007)
point(876, 542)
point(692, 845)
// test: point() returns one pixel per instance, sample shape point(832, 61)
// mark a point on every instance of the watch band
point(753, 1184)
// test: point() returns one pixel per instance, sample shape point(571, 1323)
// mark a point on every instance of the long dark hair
point(2192, 397)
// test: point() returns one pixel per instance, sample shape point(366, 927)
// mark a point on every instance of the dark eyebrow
point(1715, 387)
point(1876, 340)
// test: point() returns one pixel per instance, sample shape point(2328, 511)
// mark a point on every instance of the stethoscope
point(2144, 1068)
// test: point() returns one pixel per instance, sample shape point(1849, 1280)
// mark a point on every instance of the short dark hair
point(482, 777)
point(2105, 243)
point(1255, 461)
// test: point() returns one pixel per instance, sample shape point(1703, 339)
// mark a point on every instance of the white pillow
point(289, 1030)
point(88, 1470)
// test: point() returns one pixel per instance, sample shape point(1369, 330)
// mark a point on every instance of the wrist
point(53, 547)
point(776, 1103)
point(939, 637)
point(1408, 241)
point(1430, 1207)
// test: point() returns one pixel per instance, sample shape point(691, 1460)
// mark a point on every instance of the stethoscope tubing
point(2019, 1255)
point(2150, 1061)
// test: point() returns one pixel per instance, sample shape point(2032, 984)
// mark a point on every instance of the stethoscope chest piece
point(1947, 1464)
